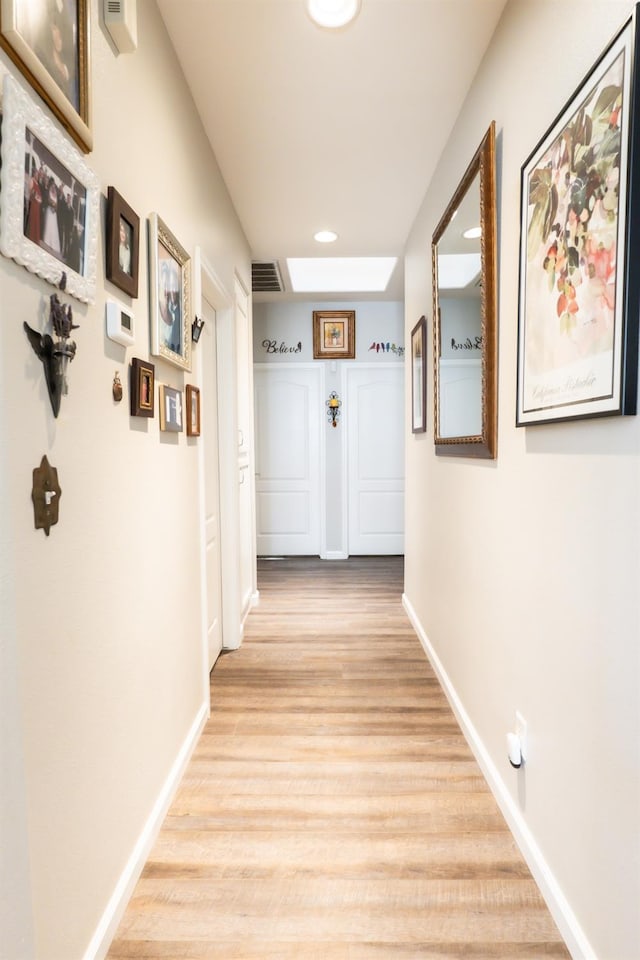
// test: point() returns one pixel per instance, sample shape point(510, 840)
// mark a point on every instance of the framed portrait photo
point(170, 295)
point(418, 377)
point(579, 294)
point(192, 398)
point(50, 198)
point(334, 334)
point(171, 411)
point(142, 388)
point(123, 243)
point(48, 40)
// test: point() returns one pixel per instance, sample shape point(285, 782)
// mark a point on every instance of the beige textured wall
point(524, 572)
point(107, 609)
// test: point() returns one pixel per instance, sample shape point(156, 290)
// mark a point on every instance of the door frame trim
point(207, 284)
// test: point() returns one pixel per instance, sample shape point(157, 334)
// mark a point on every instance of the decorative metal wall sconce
point(55, 354)
point(333, 408)
point(196, 329)
point(46, 495)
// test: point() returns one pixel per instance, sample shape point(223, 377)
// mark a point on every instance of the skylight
point(340, 274)
point(457, 270)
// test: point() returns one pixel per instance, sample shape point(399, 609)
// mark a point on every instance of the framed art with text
point(579, 291)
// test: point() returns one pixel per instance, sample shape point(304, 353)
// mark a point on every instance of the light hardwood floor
point(332, 809)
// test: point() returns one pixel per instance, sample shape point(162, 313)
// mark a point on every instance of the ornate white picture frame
point(49, 207)
point(170, 295)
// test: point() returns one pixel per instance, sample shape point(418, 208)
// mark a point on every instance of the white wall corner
point(564, 917)
point(108, 925)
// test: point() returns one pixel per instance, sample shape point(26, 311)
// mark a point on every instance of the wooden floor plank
point(332, 808)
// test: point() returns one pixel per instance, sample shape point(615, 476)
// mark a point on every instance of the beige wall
point(539, 609)
point(107, 636)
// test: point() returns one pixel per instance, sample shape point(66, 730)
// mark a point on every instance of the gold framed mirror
point(465, 327)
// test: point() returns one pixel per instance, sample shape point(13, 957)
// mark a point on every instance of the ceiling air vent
point(265, 277)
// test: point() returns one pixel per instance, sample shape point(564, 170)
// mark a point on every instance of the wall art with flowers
point(580, 234)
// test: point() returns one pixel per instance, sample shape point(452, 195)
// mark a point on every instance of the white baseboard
point(567, 923)
point(106, 929)
point(334, 555)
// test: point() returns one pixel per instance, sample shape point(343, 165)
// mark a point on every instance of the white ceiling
point(316, 129)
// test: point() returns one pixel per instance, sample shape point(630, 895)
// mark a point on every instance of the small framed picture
point(50, 198)
point(193, 410)
point(171, 417)
point(49, 42)
point(123, 243)
point(142, 388)
point(418, 377)
point(334, 334)
point(170, 295)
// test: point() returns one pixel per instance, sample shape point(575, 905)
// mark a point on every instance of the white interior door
point(209, 436)
point(375, 460)
point(288, 411)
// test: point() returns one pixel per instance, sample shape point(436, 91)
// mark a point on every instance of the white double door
point(305, 470)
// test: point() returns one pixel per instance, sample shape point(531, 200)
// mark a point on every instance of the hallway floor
point(332, 809)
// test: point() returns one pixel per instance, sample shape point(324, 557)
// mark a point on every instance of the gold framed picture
point(334, 334)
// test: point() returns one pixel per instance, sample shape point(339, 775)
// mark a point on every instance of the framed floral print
point(192, 397)
point(50, 197)
point(580, 242)
point(170, 295)
point(48, 40)
point(334, 334)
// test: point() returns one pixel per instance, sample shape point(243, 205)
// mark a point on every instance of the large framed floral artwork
point(579, 292)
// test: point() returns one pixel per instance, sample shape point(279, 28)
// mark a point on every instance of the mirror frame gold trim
point(484, 445)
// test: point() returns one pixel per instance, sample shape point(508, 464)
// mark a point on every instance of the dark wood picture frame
point(123, 251)
point(419, 376)
point(142, 388)
point(192, 412)
point(32, 51)
point(334, 334)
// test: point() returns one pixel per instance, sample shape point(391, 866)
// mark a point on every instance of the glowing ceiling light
point(333, 13)
point(325, 236)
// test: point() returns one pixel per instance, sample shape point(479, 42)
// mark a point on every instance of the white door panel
point(375, 415)
point(287, 405)
point(209, 429)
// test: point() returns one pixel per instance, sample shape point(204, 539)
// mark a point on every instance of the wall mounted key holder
point(46, 495)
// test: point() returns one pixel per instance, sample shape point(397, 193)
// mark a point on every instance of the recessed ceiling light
point(333, 13)
point(325, 236)
point(340, 274)
point(473, 233)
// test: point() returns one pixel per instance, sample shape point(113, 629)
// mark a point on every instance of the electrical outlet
point(521, 733)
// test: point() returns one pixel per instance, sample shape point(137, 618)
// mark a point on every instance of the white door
point(374, 415)
point(209, 436)
point(288, 412)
